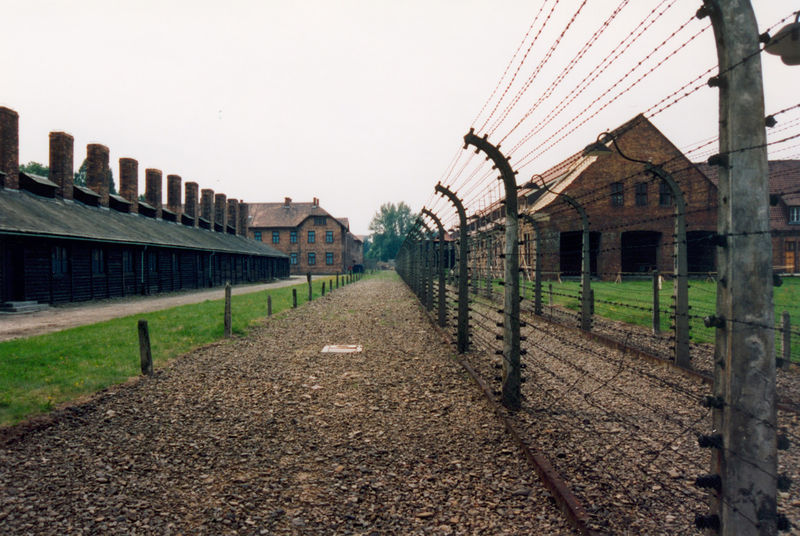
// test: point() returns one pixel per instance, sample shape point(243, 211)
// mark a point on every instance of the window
point(127, 262)
point(320, 220)
point(174, 263)
point(641, 194)
point(312, 259)
point(98, 261)
point(293, 258)
point(329, 258)
point(329, 237)
point(276, 237)
point(59, 260)
point(794, 214)
point(664, 194)
point(293, 237)
point(257, 236)
point(312, 237)
point(152, 262)
point(617, 199)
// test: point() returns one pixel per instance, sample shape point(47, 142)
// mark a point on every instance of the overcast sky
point(355, 102)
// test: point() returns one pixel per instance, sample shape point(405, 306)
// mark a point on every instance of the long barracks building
point(61, 242)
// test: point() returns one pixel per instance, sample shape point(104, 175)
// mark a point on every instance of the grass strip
point(40, 372)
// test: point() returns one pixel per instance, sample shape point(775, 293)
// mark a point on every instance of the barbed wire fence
point(628, 324)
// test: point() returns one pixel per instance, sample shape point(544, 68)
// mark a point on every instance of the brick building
point(784, 212)
point(631, 212)
point(62, 242)
point(315, 241)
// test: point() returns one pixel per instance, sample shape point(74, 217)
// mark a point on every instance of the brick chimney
point(174, 194)
point(287, 202)
point(232, 214)
point(152, 189)
point(97, 171)
point(9, 148)
point(220, 210)
point(190, 206)
point(129, 182)
point(244, 215)
point(62, 171)
point(207, 205)
point(315, 202)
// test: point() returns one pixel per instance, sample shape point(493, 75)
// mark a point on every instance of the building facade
point(315, 241)
point(62, 242)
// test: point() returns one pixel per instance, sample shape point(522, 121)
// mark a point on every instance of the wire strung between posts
point(521, 63)
point(536, 71)
point(571, 65)
point(510, 63)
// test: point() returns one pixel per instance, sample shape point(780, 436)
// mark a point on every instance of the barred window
point(641, 194)
point(617, 199)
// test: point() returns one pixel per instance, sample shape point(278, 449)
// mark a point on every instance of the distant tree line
point(79, 179)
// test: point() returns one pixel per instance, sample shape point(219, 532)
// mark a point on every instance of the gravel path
point(266, 435)
point(70, 315)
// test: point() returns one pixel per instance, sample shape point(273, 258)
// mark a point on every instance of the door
point(15, 268)
point(790, 258)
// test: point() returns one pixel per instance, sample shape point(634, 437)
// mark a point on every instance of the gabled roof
point(22, 213)
point(784, 181)
point(280, 215)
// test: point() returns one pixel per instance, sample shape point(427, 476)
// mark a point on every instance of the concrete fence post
point(269, 305)
point(512, 377)
point(743, 442)
point(294, 298)
point(463, 290)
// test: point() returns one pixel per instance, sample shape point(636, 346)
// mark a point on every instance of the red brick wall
point(303, 247)
point(592, 190)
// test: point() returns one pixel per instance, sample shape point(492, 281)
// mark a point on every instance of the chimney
point(129, 182)
point(97, 174)
point(190, 201)
point(220, 210)
point(207, 205)
point(244, 215)
point(152, 189)
point(287, 201)
point(174, 194)
point(315, 202)
point(233, 212)
point(9, 148)
point(61, 163)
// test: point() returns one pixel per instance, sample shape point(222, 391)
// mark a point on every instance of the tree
point(389, 226)
point(35, 168)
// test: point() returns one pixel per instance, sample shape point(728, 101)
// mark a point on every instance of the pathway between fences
point(268, 435)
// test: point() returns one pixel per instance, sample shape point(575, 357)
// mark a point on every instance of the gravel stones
point(267, 435)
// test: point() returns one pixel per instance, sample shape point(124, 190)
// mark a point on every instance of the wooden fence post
point(145, 355)
point(787, 339)
point(323, 288)
point(310, 290)
point(656, 305)
point(294, 298)
point(550, 288)
point(269, 305)
point(228, 310)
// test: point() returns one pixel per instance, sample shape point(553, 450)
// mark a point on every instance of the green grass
point(37, 373)
point(622, 301)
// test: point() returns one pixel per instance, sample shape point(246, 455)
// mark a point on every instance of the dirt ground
point(78, 314)
point(268, 435)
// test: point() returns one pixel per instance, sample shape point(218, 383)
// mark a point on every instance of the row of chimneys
point(218, 212)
